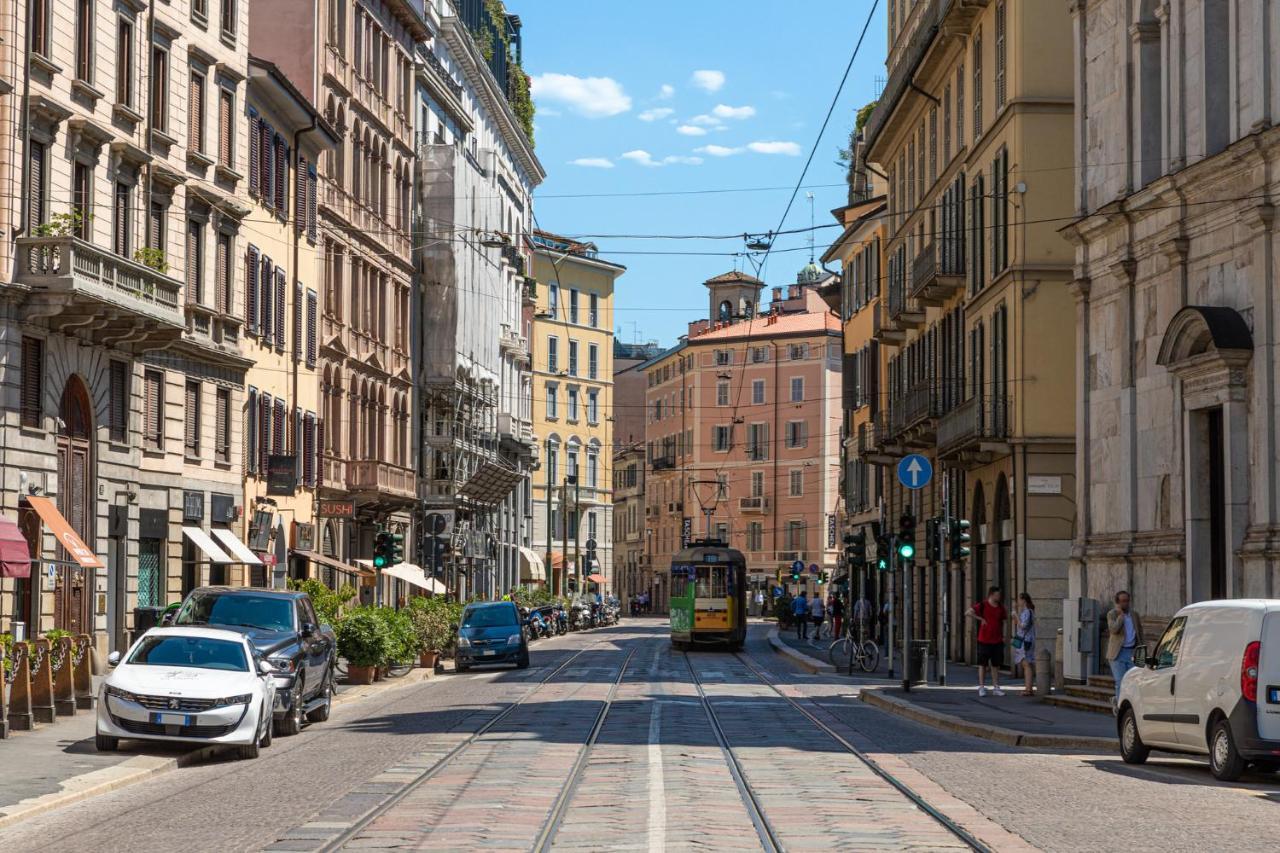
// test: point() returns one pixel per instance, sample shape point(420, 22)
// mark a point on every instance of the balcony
point(333, 473)
point(381, 479)
point(883, 330)
point(759, 503)
point(87, 288)
point(904, 311)
point(664, 463)
point(790, 556)
point(937, 273)
point(974, 428)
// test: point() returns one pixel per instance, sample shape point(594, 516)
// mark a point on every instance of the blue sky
point(696, 95)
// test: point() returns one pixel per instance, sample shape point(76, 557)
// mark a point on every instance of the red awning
point(596, 578)
point(15, 555)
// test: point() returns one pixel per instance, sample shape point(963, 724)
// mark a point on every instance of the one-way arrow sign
point(915, 471)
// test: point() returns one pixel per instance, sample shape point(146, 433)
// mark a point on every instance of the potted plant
point(402, 639)
point(433, 623)
point(365, 641)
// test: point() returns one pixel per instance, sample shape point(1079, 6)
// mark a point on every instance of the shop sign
point(304, 536)
point(193, 506)
point(335, 509)
point(282, 474)
point(831, 530)
point(260, 530)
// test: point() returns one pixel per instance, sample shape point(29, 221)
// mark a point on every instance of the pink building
point(743, 420)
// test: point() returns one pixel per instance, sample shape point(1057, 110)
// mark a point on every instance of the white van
point(1212, 686)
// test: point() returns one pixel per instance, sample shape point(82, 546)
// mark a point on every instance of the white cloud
point(655, 114)
point(593, 97)
point(592, 162)
point(705, 120)
point(644, 158)
point(790, 149)
point(709, 81)
point(724, 111)
point(667, 91)
point(718, 151)
point(690, 130)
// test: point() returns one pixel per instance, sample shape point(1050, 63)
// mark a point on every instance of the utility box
point(1080, 636)
point(918, 662)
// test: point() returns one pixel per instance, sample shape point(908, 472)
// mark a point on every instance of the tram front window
point(710, 582)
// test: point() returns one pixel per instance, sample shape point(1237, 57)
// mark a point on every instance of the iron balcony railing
point(936, 269)
point(976, 419)
point(664, 463)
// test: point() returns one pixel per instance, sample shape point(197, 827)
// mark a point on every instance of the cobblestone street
point(496, 760)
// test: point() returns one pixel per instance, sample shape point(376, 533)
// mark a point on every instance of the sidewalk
point(1012, 719)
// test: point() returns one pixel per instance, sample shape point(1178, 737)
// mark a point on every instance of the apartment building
point(744, 425)
point(572, 411)
point(476, 174)
point(124, 313)
point(973, 131)
point(631, 573)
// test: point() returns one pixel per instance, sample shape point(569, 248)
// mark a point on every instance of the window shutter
point(119, 401)
point(35, 186)
point(191, 419)
point(265, 301)
point(277, 431)
point(32, 380)
point(295, 443)
point(319, 443)
point(193, 262)
point(255, 154)
point(220, 298)
point(297, 321)
point(195, 113)
point(311, 202)
point(313, 301)
point(251, 433)
point(154, 407)
point(266, 161)
point(225, 104)
point(309, 449)
point(281, 284)
point(282, 177)
point(264, 431)
point(222, 424)
point(251, 290)
point(300, 195)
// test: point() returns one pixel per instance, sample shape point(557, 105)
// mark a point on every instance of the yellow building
point(973, 132)
point(572, 350)
point(282, 417)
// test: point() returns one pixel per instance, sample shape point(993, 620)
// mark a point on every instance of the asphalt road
point(656, 776)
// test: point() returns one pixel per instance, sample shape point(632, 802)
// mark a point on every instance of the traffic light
point(855, 550)
point(795, 573)
point(931, 549)
point(958, 538)
point(907, 536)
point(388, 549)
point(822, 578)
point(882, 553)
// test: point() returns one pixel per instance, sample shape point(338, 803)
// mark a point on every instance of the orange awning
point(596, 578)
point(67, 537)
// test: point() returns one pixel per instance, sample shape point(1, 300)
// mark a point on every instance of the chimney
point(793, 291)
point(777, 294)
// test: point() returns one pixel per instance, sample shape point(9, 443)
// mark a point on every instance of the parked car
point(193, 685)
point(284, 630)
point(1212, 686)
point(490, 632)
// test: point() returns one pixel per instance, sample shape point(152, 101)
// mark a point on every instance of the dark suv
point(491, 633)
point(284, 631)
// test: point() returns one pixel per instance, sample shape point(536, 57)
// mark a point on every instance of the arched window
point(726, 310)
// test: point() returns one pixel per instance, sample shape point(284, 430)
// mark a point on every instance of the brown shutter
point(119, 401)
point(122, 219)
point(265, 301)
point(282, 177)
point(264, 431)
point(281, 284)
point(35, 186)
point(32, 380)
point(319, 463)
point(193, 262)
point(255, 154)
point(277, 429)
point(191, 419)
point(312, 310)
point(221, 274)
point(222, 425)
point(297, 321)
point(224, 126)
point(300, 195)
point(251, 290)
point(250, 447)
point(195, 114)
point(153, 410)
point(311, 202)
point(309, 449)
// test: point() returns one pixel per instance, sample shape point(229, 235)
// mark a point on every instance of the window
point(573, 306)
point(222, 426)
point(722, 393)
point(553, 354)
point(1000, 55)
point(977, 84)
point(978, 244)
point(32, 381)
point(553, 464)
point(757, 484)
point(593, 476)
point(571, 411)
point(593, 361)
point(195, 261)
point(796, 536)
point(153, 410)
point(960, 114)
point(225, 274)
point(160, 89)
point(82, 197)
point(724, 356)
point(797, 434)
point(797, 389)
point(759, 354)
point(755, 536)
point(84, 40)
point(118, 402)
point(313, 305)
point(553, 299)
point(124, 62)
point(200, 10)
point(593, 311)
point(1170, 644)
point(758, 442)
point(226, 126)
point(720, 439)
point(573, 358)
point(228, 21)
point(122, 237)
point(191, 420)
point(38, 161)
point(593, 407)
point(551, 401)
point(757, 392)
point(797, 482)
point(1000, 212)
point(797, 352)
point(157, 215)
point(195, 113)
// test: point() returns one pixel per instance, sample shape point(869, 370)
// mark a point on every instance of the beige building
point(973, 132)
point(572, 351)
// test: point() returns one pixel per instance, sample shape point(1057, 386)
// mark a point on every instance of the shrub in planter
point(364, 639)
point(402, 639)
point(433, 622)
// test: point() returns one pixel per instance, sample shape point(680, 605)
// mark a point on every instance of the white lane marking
point(657, 796)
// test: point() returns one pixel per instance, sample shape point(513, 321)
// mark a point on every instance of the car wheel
point(523, 661)
point(1224, 759)
point(265, 740)
point(106, 743)
point(291, 723)
point(1132, 749)
point(321, 714)
point(247, 751)
point(461, 667)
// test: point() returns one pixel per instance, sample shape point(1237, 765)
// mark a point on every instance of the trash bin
point(918, 662)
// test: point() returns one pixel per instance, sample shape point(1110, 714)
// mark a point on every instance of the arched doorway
point(74, 585)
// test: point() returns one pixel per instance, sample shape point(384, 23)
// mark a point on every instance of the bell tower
point(733, 296)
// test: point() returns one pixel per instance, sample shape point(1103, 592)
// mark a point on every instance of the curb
point(800, 659)
point(141, 767)
point(876, 697)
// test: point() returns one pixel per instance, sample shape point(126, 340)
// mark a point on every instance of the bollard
point(64, 692)
point(19, 677)
point(1044, 665)
point(81, 672)
point(42, 707)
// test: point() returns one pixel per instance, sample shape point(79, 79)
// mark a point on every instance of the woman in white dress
point(1024, 644)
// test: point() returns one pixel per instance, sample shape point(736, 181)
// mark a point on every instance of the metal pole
point(893, 567)
point(577, 528)
point(564, 512)
point(944, 572)
point(551, 490)
point(906, 624)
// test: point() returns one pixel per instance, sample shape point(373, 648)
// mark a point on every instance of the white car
point(1212, 687)
point(190, 685)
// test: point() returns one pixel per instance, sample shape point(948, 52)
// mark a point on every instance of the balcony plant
point(364, 639)
point(63, 224)
point(152, 259)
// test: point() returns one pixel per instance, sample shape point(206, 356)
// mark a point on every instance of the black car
point(491, 632)
point(284, 631)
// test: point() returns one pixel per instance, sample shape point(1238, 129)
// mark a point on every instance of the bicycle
point(865, 653)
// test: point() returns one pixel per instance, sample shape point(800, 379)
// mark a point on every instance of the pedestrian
point(991, 616)
point(863, 614)
point(836, 608)
point(800, 609)
point(1124, 634)
point(817, 609)
point(886, 617)
point(1024, 641)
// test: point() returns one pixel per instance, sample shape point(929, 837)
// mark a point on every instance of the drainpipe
point(300, 219)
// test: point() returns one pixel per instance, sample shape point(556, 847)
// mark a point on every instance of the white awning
point(531, 566)
point(235, 546)
point(206, 545)
point(414, 576)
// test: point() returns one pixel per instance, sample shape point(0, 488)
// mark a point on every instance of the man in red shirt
point(991, 617)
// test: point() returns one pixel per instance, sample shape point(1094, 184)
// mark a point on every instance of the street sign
point(591, 544)
point(797, 567)
point(914, 471)
point(813, 569)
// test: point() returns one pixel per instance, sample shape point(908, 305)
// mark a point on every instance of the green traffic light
point(906, 550)
point(380, 562)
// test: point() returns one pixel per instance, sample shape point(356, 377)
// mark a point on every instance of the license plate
point(1273, 695)
point(172, 719)
point(487, 652)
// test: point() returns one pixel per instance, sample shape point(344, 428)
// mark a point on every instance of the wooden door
point(73, 589)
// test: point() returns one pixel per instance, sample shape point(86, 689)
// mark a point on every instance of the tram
point(709, 596)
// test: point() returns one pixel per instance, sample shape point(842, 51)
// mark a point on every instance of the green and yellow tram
point(708, 596)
